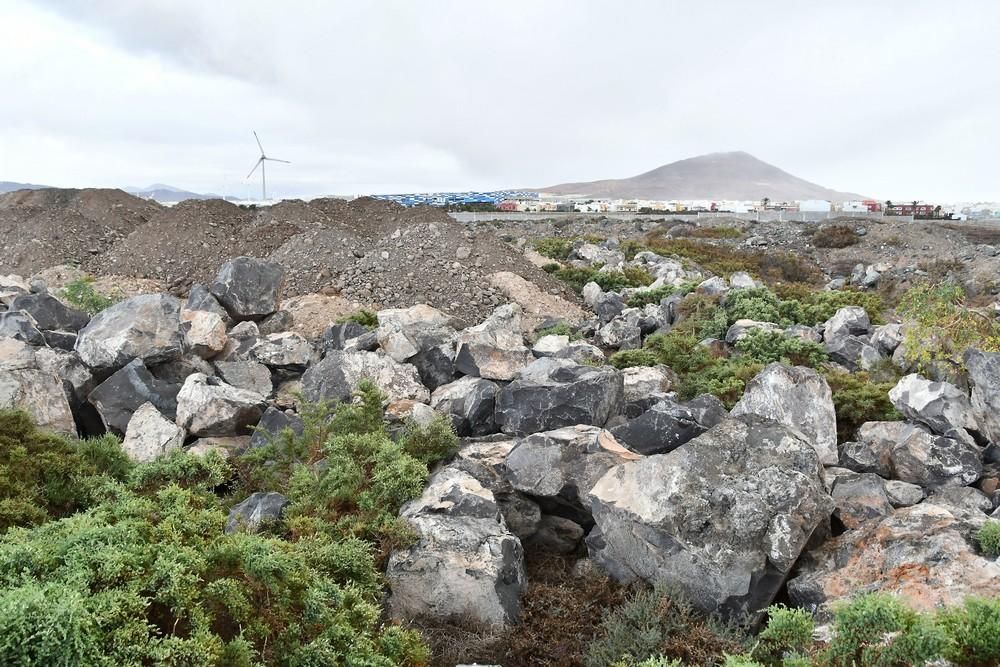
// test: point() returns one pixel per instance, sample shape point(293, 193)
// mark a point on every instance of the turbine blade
point(258, 141)
point(274, 159)
point(256, 164)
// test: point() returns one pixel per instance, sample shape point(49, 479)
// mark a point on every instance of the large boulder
point(259, 508)
point(551, 393)
point(248, 288)
point(404, 332)
point(941, 406)
point(200, 298)
point(204, 332)
point(465, 565)
point(495, 349)
point(934, 461)
point(146, 327)
point(77, 378)
point(339, 373)
point(984, 376)
point(799, 398)
point(286, 351)
point(150, 435)
point(209, 406)
point(722, 518)
point(41, 395)
point(923, 553)
point(848, 321)
point(250, 375)
point(49, 313)
point(470, 402)
point(669, 424)
point(118, 397)
point(859, 497)
point(558, 468)
point(851, 352)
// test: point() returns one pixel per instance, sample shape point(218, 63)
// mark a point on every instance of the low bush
point(609, 281)
point(788, 634)
point(766, 347)
point(630, 358)
point(554, 248)
point(857, 399)
point(988, 538)
point(878, 629)
point(939, 326)
point(560, 329)
point(81, 294)
point(642, 298)
point(725, 379)
point(973, 630)
point(365, 318)
point(834, 236)
point(721, 232)
point(755, 303)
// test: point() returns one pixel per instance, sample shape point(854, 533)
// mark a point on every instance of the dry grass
point(834, 236)
point(985, 234)
point(561, 616)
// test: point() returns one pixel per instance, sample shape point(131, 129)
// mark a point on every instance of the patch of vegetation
point(642, 298)
point(560, 329)
point(81, 294)
point(755, 303)
point(973, 631)
point(113, 563)
point(788, 634)
point(365, 318)
point(725, 379)
point(629, 358)
point(554, 247)
point(940, 270)
point(577, 277)
point(721, 232)
point(834, 236)
point(939, 326)
point(857, 399)
point(988, 538)
point(766, 347)
point(656, 624)
point(551, 267)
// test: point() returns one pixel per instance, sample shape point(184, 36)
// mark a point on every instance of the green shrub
point(660, 625)
point(610, 281)
point(551, 267)
point(365, 318)
point(755, 303)
point(559, 329)
point(431, 443)
point(721, 232)
point(554, 248)
point(940, 327)
point(989, 538)
point(819, 306)
point(725, 379)
point(857, 399)
point(679, 350)
point(834, 236)
point(629, 358)
point(878, 629)
point(973, 631)
point(766, 347)
point(45, 476)
point(644, 297)
point(788, 633)
point(81, 294)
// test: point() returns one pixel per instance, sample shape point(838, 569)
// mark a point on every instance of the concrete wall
point(757, 215)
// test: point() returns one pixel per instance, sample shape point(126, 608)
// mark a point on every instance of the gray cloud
point(423, 95)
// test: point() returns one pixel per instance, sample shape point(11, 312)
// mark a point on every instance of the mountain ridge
point(734, 175)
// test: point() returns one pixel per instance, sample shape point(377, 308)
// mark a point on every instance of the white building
point(854, 207)
point(814, 206)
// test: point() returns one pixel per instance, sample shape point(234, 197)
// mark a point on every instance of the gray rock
point(902, 494)
point(250, 375)
point(713, 286)
point(405, 332)
point(204, 332)
point(848, 321)
point(176, 371)
point(146, 327)
point(435, 365)
point(556, 534)
point(49, 313)
point(962, 500)
point(742, 280)
point(242, 338)
point(549, 346)
point(150, 435)
point(286, 351)
point(276, 323)
point(851, 352)
point(722, 518)
point(337, 336)
point(207, 406)
point(77, 378)
point(248, 288)
point(558, 468)
point(39, 394)
point(940, 406)
point(859, 497)
point(118, 397)
point(934, 461)
point(465, 564)
point(922, 553)
point(62, 340)
point(608, 305)
point(494, 349)
point(260, 507)
point(984, 376)
point(887, 338)
point(799, 398)
point(16, 355)
point(581, 352)
point(669, 424)
point(20, 326)
point(619, 333)
point(551, 393)
point(470, 401)
point(338, 375)
point(200, 298)
point(272, 423)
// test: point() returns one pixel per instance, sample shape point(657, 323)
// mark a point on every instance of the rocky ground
point(688, 430)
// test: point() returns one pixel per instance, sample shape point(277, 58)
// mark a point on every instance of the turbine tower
point(260, 163)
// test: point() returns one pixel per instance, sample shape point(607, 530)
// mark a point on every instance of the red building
point(919, 210)
point(872, 205)
point(507, 205)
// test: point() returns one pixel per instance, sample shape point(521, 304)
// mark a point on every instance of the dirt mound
point(189, 241)
point(42, 228)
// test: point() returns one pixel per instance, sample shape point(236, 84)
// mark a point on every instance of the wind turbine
point(260, 163)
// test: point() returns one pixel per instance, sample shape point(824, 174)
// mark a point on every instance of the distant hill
point(167, 194)
point(10, 186)
point(735, 175)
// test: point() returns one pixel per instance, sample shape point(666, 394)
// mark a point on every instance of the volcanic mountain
point(736, 175)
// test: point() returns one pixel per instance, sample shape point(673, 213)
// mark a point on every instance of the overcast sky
point(892, 99)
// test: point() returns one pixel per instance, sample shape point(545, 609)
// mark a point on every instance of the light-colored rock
point(207, 406)
point(205, 332)
point(41, 395)
point(287, 351)
point(495, 349)
point(550, 345)
point(146, 327)
point(535, 304)
point(940, 406)
point(741, 328)
point(848, 321)
point(337, 376)
point(150, 435)
point(313, 313)
point(260, 507)
point(641, 381)
point(799, 398)
point(902, 494)
point(984, 376)
point(404, 332)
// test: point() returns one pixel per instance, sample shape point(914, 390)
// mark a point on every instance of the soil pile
point(42, 228)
